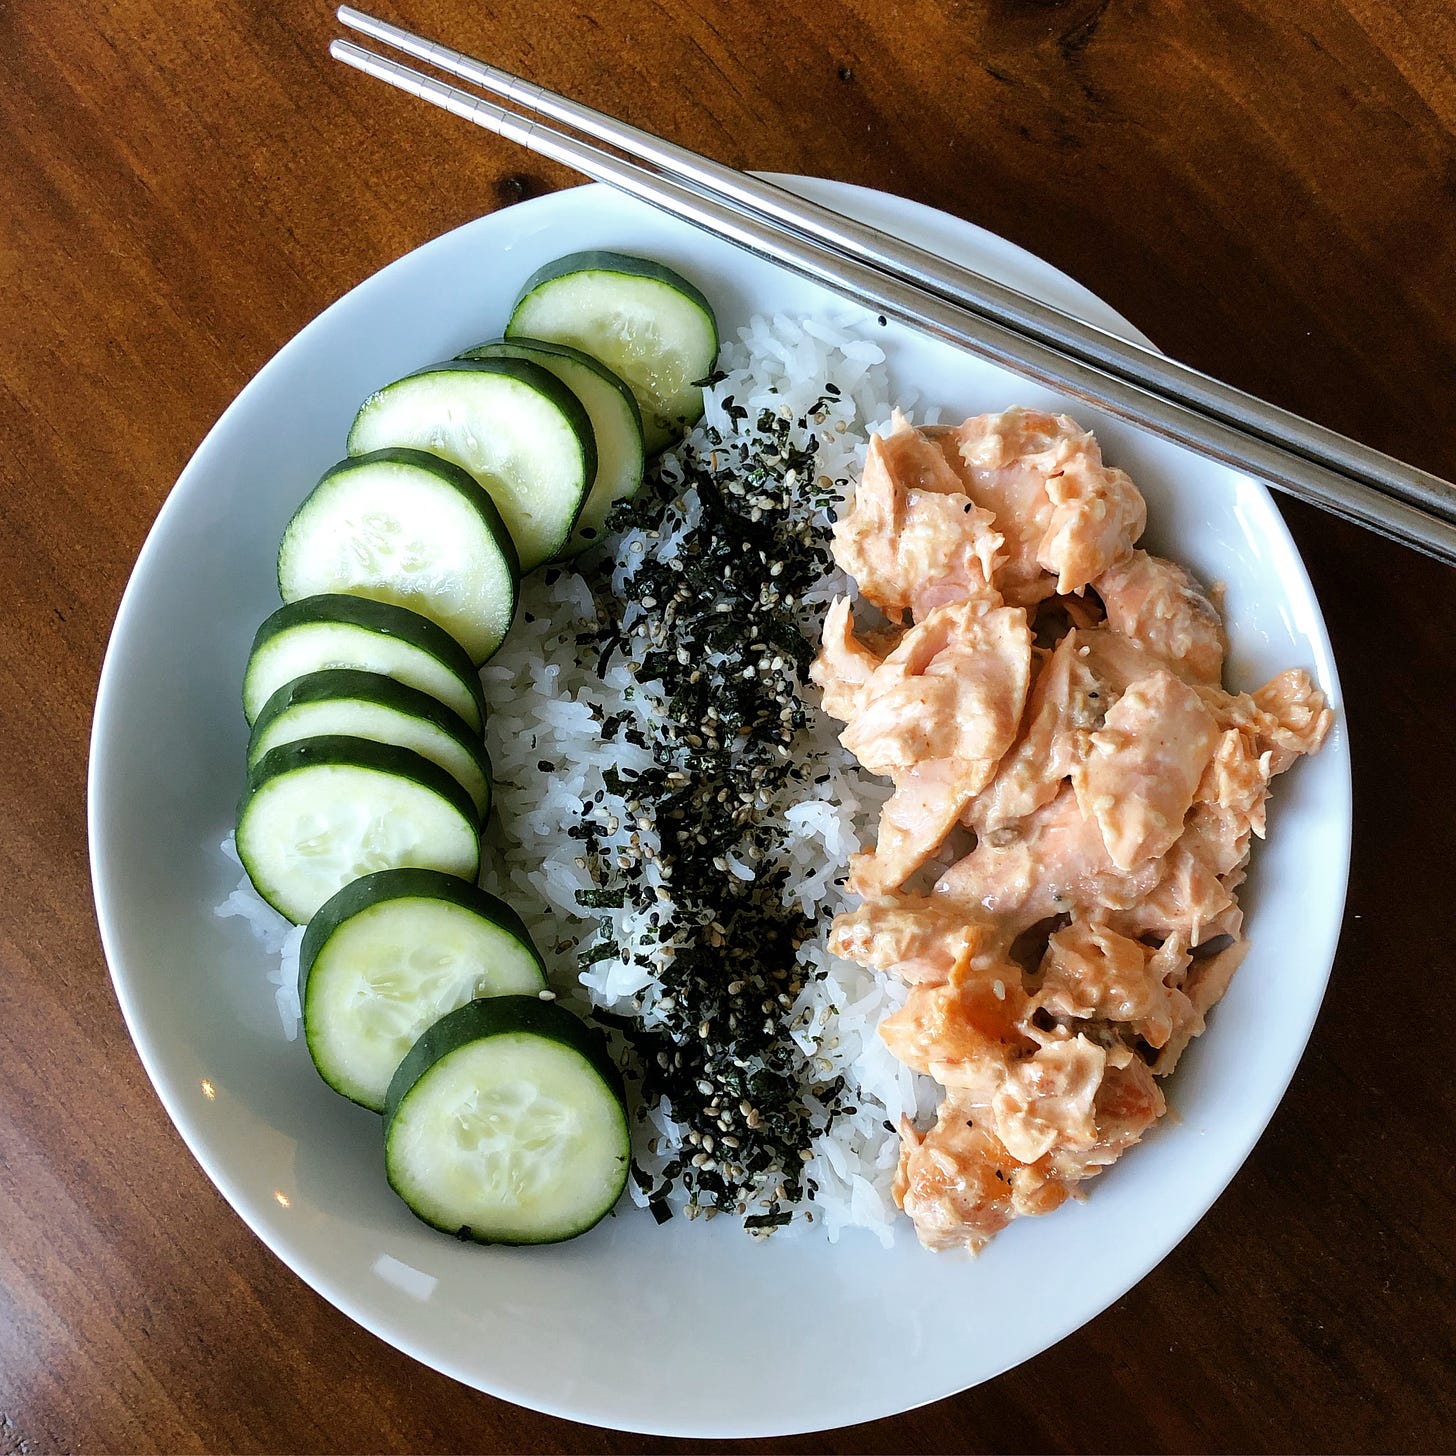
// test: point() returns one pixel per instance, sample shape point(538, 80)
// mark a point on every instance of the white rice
point(547, 702)
point(278, 937)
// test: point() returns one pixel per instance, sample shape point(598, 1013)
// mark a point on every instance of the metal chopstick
point(996, 301)
point(1353, 499)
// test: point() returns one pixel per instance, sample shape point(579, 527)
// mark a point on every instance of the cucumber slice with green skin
point(506, 1123)
point(513, 425)
point(646, 323)
point(388, 956)
point(408, 528)
point(616, 424)
point(369, 705)
point(321, 812)
point(342, 631)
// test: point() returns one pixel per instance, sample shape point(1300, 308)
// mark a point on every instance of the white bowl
point(688, 1329)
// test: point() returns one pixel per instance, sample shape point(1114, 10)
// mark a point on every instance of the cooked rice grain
point(548, 704)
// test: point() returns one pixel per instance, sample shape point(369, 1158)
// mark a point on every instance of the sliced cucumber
point(388, 956)
point(369, 705)
point(616, 424)
point(506, 1123)
point(341, 631)
point(321, 812)
point(409, 528)
point(512, 424)
point(647, 324)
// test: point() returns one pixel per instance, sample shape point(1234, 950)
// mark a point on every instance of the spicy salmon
point(1076, 795)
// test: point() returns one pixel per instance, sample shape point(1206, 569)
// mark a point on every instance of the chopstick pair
point(938, 297)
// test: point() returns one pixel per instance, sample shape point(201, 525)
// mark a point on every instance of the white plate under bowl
point(690, 1329)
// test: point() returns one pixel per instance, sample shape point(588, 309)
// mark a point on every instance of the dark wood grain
point(1269, 191)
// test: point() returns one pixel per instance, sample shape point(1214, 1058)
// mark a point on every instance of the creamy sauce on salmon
point(1075, 797)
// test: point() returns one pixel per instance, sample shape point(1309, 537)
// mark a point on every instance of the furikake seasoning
point(715, 639)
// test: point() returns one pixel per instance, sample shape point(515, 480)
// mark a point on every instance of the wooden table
point(1267, 190)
